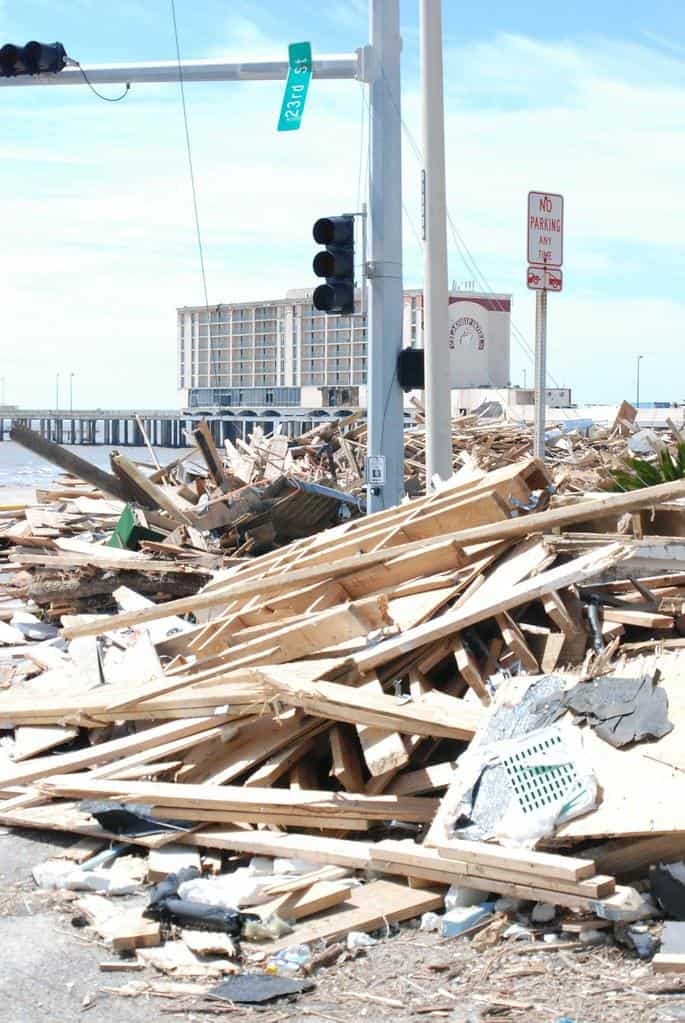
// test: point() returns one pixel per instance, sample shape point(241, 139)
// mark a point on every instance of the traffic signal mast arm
point(328, 66)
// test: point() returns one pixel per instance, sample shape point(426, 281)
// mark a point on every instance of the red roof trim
point(498, 305)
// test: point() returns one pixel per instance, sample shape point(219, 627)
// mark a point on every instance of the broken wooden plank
point(253, 801)
point(371, 906)
point(68, 461)
point(345, 758)
point(610, 504)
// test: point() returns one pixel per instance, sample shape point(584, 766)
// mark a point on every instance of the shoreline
point(16, 493)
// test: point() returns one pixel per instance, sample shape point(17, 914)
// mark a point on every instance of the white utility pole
point(385, 397)
point(540, 372)
point(435, 288)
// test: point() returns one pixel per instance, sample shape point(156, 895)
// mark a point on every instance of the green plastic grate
point(538, 785)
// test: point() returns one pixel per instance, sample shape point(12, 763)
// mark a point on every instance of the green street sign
point(292, 108)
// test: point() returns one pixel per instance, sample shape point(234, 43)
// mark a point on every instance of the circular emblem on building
point(466, 332)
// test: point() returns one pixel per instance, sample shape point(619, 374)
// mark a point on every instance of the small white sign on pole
point(375, 470)
point(545, 229)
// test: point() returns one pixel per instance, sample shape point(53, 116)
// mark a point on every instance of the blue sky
point(586, 99)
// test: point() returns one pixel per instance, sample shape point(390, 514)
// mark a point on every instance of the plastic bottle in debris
point(289, 960)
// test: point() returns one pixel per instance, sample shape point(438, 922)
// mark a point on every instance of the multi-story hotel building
point(283, 354)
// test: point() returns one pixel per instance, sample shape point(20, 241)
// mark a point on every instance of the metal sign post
point(545, 257)
point(540, 371)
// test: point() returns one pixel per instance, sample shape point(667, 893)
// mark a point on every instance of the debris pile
point(581, 456)
point(473, 690)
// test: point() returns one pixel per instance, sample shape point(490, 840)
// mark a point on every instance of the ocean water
point(21, 469)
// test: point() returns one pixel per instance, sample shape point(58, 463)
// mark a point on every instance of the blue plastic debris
point(462, 918)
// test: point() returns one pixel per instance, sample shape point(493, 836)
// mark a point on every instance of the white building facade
point(284, 354)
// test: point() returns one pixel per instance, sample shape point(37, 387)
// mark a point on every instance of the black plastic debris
point(37, 630)
point(167, 907)
point(132, 820)
point(257, 988)
point(622, 710)
point(201, 917)
point(168, 889)
point(667, 884)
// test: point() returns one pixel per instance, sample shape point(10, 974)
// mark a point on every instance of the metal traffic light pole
point(379, 66)
point(384, 268)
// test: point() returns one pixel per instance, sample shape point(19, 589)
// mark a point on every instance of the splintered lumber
point(425, 779)
point(122, 929)
point(669, 962)
point(468, 669)
point(452, 718)
point(261, 740)
point(157, 496)
point(382, 750)
point(566, 868)
point(515, 641)
point(370, 906)
point(286, 758)
point(68, 461)
point(251, 802)
point(316, 898)
point(153, 739)
point(556, 609)
point(345, 760)
point(315, 848)
point(95, 706)
point(624, 857)
point(642, 619)
point(406, 857)
point(609, 505)
point(30, 740)
point(205, 442)
point(454, 621)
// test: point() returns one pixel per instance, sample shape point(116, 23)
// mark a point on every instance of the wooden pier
point(119, 428)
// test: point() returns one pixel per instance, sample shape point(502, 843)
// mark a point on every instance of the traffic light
point(336, 264)
point(32, 59)
point(411, 369)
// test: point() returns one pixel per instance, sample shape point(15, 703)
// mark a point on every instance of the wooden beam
point(383, 750)
point(425, 779)
point(157, 495)
point(115, 750)
point(68, 461)
point(468, 669)
point(515, 641)
point(205, 442)
point(611, 504)
point(345, 766)
point(227, 798)
point(454, 621)
point(556, 610)
point(452, 719)
point(371, 906)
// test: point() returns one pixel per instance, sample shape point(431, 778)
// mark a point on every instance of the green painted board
point(299, 75)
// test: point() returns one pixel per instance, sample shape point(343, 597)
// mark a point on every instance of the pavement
point(48, 973)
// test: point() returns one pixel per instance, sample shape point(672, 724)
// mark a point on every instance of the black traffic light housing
point(411, 369)
point(336, 264)
point(32, 59)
